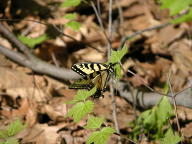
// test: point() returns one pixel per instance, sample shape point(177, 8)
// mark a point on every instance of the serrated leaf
point(74, 25)
point(164, 111)
point(70, 16)
point(94, 122)
point(171, 137)
point(32, 42)
point(80, 109)
point(84, 94)
point(15, 127)
point(100, 137)
point(116, 56)
point(69, 3)
point(184, 18)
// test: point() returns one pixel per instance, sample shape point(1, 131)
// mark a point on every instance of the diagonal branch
point(29, 60)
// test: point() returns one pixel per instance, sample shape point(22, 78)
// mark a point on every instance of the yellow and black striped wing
point(85, 69)
point(82, 84)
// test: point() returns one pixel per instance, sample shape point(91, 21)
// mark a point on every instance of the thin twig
point(56, 28)
point(175, 105)
point(145, 84)
point(125, 137)
point(110, 29)
point(100, 22)
point(114, 106)
point(125, 38)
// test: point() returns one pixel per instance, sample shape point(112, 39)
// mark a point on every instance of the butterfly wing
point(82, 84)
point(85, 69)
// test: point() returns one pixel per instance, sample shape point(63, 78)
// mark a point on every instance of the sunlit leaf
point(69, 3)
point(32, 42)
point(80, 109)
point(171, 137)
point(70, 16)
point(74, 25)
point(94, 122)
point(100, 137)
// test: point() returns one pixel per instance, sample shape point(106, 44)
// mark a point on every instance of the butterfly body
point(94, 75)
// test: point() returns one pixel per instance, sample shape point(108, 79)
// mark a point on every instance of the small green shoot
point(74, 25)
point(32, 42)
point(8, 134)
point(70, 3)
point(71, 16)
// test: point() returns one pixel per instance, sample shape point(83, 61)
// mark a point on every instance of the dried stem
point(175, 105)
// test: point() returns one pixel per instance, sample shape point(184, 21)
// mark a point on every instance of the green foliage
point(71, 16)
point(13, 129)
point(176, 7)
point(70, 3)
point(80, 110)
point(116, 57)
point(94, 122)
point(170, 137)
point(153, 121)
point(100, 137)
point(74, 25)
point(32, 42)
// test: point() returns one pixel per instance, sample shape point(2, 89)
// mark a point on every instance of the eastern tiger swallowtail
point(94, 75)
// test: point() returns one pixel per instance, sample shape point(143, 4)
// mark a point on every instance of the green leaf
point(94, 122)
point(74, 25)
point(116, 56)
point(69, 3)
point(164, 111)
point(84, 94)
point(178, 6)
point(150, 120)
point(171, 138)
point(100, 137)
point(70, 16)
point(32, 42)
point(79, 110)
point(184, 18)
point(15, 127)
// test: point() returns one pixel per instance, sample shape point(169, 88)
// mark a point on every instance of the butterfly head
point(111, 68)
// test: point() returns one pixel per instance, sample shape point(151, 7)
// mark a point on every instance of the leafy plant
point(82, 107)
point(154, 122)
point(176, 7)
point(7, 135)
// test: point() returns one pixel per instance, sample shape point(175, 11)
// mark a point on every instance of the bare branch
point(38, 65)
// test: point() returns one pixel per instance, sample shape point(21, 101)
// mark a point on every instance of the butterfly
point(94, 75)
